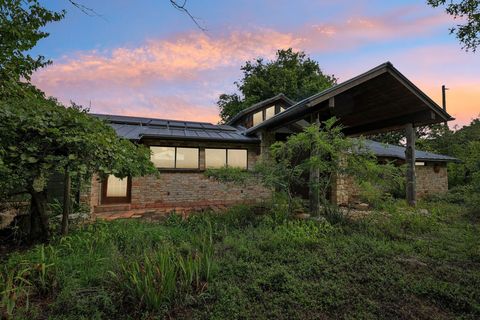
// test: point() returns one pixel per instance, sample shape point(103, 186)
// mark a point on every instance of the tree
point(39, 137)
point(322, 148)
point(20, 30)
point(398, 137)
point(291, 73)
point(468, 10)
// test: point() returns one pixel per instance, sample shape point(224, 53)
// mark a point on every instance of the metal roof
point(304, 104)
point(259, 105)
point(392, 151)
point(136, 128)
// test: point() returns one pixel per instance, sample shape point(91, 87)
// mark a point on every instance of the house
point(380, 100)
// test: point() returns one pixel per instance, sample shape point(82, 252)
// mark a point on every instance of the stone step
point(111, 208)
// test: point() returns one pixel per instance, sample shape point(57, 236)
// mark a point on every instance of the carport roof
point(378, 100)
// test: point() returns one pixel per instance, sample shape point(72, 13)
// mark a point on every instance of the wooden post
point(66, 202)
point(410, 160)
point(314, 181)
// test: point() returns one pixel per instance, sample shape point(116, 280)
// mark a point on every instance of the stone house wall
point(432, 179)
point(185, 188)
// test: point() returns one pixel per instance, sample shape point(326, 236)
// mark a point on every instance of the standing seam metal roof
point(136, 128)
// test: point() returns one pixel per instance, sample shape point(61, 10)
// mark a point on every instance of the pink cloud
point(182, 58)
point(181, 77)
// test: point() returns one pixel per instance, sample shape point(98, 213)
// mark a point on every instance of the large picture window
point(218, 158)
point(237, 158)
point(215, 158)
point(174, 157)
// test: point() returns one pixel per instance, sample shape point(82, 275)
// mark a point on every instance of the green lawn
point(241, 265)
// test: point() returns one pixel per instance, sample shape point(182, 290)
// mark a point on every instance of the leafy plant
point(229, 174)
point(13, 288)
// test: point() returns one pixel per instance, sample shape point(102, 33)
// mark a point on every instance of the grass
point(241, 265)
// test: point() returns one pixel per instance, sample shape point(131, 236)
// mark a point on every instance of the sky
point(145, 58)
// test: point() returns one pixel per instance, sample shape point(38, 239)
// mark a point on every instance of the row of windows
point(260, 116)
point(188, 158)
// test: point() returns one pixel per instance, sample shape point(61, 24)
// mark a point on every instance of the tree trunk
point(39, 229)
point(66, 202)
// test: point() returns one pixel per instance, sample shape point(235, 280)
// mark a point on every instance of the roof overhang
point(279, 97)
point(381, 99)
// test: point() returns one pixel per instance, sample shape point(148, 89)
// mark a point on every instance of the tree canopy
point(21, 23)
point(468, 11)
point(292, 73)
point(38, 135)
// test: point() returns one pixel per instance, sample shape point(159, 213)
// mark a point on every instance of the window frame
point(174, 168)
point(226, 156)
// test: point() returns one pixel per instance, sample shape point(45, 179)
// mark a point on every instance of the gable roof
point(386, 68)
point(260, 105)
point(391, 151)
point(136, 128)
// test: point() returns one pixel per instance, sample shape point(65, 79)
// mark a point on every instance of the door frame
point(116, 200)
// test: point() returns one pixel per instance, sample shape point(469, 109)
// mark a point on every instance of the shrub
point(229, 174)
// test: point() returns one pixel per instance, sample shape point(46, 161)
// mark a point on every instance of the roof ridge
point(259, 104)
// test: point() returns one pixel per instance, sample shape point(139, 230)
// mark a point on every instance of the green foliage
point(469, 12)
point(39, 137)
point(324, 149)
point(21, 24)
point(291, 73)
point(463, 176)
point(398, 264)
point(229, 174)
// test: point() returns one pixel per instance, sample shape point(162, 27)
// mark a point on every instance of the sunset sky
point(145, 58)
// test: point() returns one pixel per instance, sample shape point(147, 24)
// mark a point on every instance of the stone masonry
point(432, 179)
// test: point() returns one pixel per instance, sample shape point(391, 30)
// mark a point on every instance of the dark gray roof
point(261, 104)
point(300, 106)
point(136, 128)
point(392, 151)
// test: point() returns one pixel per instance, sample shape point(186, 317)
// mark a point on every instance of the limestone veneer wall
point(432, 179)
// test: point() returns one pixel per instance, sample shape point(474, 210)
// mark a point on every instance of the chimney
point(444, 98)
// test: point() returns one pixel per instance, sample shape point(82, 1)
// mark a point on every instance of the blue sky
point(147, 58)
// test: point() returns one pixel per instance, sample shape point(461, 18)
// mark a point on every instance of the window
point(175, 157)
point(269, 112)
point(215, 158)
point(237, 158)
point(257, 118)
point(187, 158)
point(218, 158)
point(116, 187)
point(163, 157)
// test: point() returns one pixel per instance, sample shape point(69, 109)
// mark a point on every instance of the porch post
point(410, 160)
point(314, 181)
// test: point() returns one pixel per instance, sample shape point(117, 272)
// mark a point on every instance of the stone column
point(267, 138)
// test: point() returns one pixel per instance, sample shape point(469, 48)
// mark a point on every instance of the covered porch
point(377, 101)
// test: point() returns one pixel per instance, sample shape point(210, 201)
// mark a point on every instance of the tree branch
point(182, 7)
point(86, 10)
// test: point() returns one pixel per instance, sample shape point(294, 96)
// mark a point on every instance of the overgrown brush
point(161, 277)
point(25, 278)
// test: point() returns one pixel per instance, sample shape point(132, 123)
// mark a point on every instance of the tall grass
point(160, 277)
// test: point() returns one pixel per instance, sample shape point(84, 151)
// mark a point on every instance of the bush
point(229, 174)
